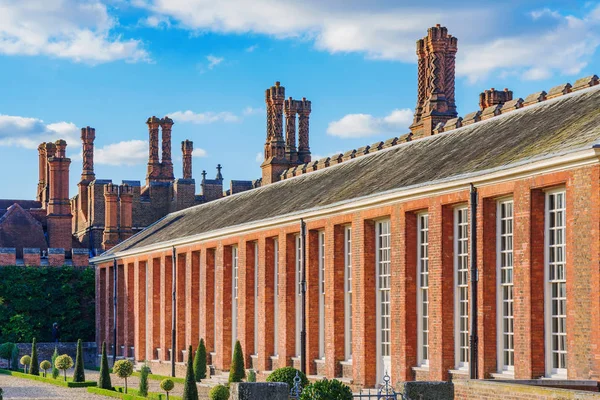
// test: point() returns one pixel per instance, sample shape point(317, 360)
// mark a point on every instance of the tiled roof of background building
point(562, 125)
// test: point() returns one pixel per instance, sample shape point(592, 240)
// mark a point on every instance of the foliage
point(190, 390)
point(34, 367)
point(45, 365)
point(237, 371)
point(39, 378)
point(25, 360)
point(326, 390)
point(79, 373)
point(53, 361)
point(219, 392)
point(287, 374)
point(167, 385)
point(30, 298)
point(14, 360)
point(200, 362)
point(143, 389)
point(123, 369)
point(1, 391)
point(104, 380)
point(63, 363)
point(6, 351)
point(251, 376)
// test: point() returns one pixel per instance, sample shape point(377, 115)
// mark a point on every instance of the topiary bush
point(34, 367)
point(104, 379)
point(200, 362)
point(63, 363)
point(45, 365)
point(251, 376)
point(79, 373)
point(143, 389)
point(326, 390)
point(53, 362)
point(287, 375)
point(167, 385)
point(219, 392)
point(237, 371)
point(123, 369)
point(190, 390)
point(25, 360)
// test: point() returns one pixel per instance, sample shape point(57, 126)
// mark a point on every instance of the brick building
point(388, 248)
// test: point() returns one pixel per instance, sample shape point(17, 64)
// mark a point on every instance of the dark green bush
point(30, 298)
point(6, 351)
point(79, 373)
point(143, 389)
point(104, 379)
point(190, 390)
point(237, 371)
point(219, 392)
point(54, 369)
point(326, 390)
point(200, 362)
point(34, 367)
point(287, 374)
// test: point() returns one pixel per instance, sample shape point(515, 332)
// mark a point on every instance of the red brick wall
point(468, 389)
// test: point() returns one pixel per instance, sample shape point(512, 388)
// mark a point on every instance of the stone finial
point(376, 146)
point(471, 118)
point(203, 176)
point(61, 148)
point(491, 111)
point(534, 98)
point(511, 105)
point(219, 176)
point(390, 142)
point(559, 90)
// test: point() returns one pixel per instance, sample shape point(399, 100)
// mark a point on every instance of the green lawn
point(60, 381)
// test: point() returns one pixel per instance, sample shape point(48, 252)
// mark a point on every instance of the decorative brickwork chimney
point(50, 150)
point(187, 147)
point(153, 172)
point(304, 109)
point(291, 109)
point(166, 163)
point(111, 231)
point(59, 206)
point(125, 203)
point(43, 164)
point(436, 73)
point(494, 97)
point(275, 161)
point(87, 174)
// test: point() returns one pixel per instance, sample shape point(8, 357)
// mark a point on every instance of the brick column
point(111, 232)
point(126, 211)
point(312, 300)
point(334, 299)
point(223, 307)
point(166, 125)
point(287, 298)
point(192, 294)
point(364, 317)
point(101, 311)
point(166, 306)
point(528, 281)
point(266, 290)
point(181, 299)
point(139, 306)
point(246, 300)
point(129, 322)
point(121, 306)
point(207, 298)
point(153, 311)
point(109, 306)
point(153, 170)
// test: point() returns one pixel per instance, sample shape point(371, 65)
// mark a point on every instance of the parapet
point(32, 256)
point(56, 257)
point(8, 256)
point(80, 257)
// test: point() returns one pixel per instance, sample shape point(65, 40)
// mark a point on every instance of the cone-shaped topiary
point(190, 390)
point(200, 362)
point(34, 366)
point(104, 380)
point(53, 360)
point(237, 371)
point(143, 389)
point(79, 373)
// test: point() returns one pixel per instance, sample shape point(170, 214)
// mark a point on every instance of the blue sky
point(111, 64)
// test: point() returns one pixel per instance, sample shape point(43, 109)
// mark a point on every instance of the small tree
point(143, 389)
point(14, 361)
point(45, 365)
point(167, 385)
point(123, 369)
point(190, 390)
point(63, 363)
point(237, 371)
point(79, 373)
point(251, 376)
point(219, 392)
point(200, 362)
point(104, 380)
point(6, 351)
point(34, 367)
point(53, 362)
point(25, 360)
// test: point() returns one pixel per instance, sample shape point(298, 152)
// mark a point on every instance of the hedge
point(132, 394)
point(57, 382)
point(33, 298)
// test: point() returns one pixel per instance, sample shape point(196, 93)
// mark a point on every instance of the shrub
point(63, 363)
point(25, 360)
point(190, 390)
point(167, 385)
point(200, 362)
point(251, 376)
point(6, 350)
point(14, 360)
point(79, 373)
point(237, 371)
point(104, 379)
point(326, 390)
point(53, 362)
point(34, 367)
point(45, 365)
point(287, 375)
point(219, 392)
point(123, 369)
point(143, 389)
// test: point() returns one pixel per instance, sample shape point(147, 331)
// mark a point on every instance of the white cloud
point(253, 111)
point(208, 117)
point(155, 21)
point(250, 49)
point(69, 29)
point(260, 157)
point(30, 132)
point(131, 152)
point(199, 153)
point(365, 125)
point(213, 61)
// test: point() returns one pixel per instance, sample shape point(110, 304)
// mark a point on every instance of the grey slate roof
point(562, 125)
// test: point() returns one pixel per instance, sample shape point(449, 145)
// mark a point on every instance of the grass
point(154, 377)
point(58, 381)
point(132, 394)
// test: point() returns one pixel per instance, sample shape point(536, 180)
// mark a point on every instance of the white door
point(382, 270)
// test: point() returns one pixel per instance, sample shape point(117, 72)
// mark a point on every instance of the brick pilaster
point(287, 295)
point(334, 299)
point(109, 306)
point(121, 307)
point(266, 290)
point(166, 306)
point(246, 299)
point(181, 300)
point(192, 294)
point(101, 308)
point(223, 316)
point(207, 297)
point(154, 296)
point(139, 306)
point(128, 307)
point(312, 300)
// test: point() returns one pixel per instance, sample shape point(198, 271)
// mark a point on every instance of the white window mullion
point(383, 261)
point(505, 286)
point(461, 287)
point(348, 288)
point(423, 289)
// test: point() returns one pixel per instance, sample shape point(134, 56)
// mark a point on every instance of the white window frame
point(234, 294)
point(383, 285)
point(276, 297)
point(505, 280)
point(423, 293)
point(297, 280)
point(551, 370)
point(348, 292)
point(321, 294)
point(461, 352)
point(256, 298)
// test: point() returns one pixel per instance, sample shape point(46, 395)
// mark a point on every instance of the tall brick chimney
point(187, 147)
point(42, 165)
point(153, 171)
point(88, 135)
point(126, 210)
point(291, 109)
point(166, 164)
point(275, 162)
point(59, 207)
point(436, 74)
point(304, 109)
point(110, 237)
point(494, 97)
point(50, 151)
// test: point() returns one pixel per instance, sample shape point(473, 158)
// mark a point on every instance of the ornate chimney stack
point(494, 97)
point(291, 109)
point(436, 76)
point(88, 135)
point(187, 147)
point(59, 206)
point(50, 150)
point(153, 171)
point(110, 236)
point(275, 149)
point(126, 211)
point(166, 163)
point(42, 165)
point(304, 109)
